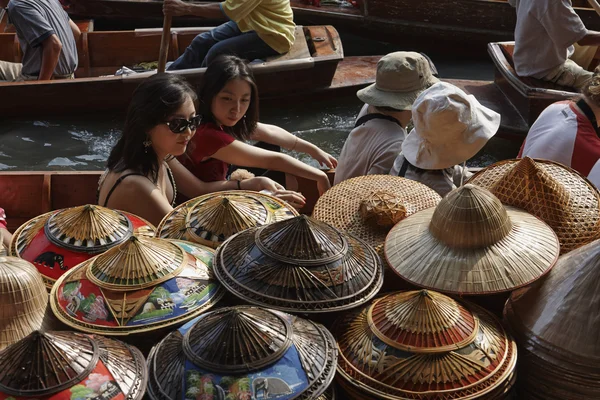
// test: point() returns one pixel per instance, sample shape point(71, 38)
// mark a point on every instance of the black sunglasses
point(179, 125)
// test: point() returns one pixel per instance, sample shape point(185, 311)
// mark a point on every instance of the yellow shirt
point(272, 20)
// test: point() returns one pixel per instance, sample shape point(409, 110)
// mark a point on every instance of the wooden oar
point(595, 5)
point(164, 44)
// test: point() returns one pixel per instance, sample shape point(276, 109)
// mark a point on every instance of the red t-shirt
point(209, 138)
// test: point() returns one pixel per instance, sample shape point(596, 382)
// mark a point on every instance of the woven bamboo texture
point(557, 194)
point(141, 285)
point(3, 249)
point(424, 345)
point(212, 218)
point(46, 364)
point(380, 196)
point(557, 325)
point(471, 244)
point(23, 300)
point(299, 265)
point(241, 344)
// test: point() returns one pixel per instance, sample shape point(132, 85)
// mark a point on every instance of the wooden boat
point(314, 66)
point(464, 26)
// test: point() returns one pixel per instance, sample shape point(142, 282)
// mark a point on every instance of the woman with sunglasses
point(229, 110)
point(142, 175)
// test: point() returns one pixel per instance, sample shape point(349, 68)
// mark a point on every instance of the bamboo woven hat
point(412, 344)
point(244, 351)
point(65, 365)
point(556, 194)
point(299, 265)
point(471, 244)
point(23, 300)
point(57, 241)
point(212, 218)
point(143, 284)
point(368, 206)
point(557, 324)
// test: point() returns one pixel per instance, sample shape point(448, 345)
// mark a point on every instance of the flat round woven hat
point(69, 365)
point(57, 241)
point(243, 353)
point(141, 285)
point(212, 218)
point(556, 194)
point(471, 244)
point(557, 326)
point(23, 300)
point(423, 344)
point(368, 206)
point(299, 265)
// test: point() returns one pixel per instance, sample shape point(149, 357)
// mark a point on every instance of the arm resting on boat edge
point(240, 153)
point(51, 48)
point(592, 38)
point(177, 8)
point(278, 136)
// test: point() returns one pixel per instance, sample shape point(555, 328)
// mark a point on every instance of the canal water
point(75, 142)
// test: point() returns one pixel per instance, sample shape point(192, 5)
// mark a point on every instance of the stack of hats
point(246, 352)
point(556, 194)
point(212, 218)
point(23, 300)
point(69, 365)
point(57, 241)
point(299, 265)
point(557, 326)
point(471, 244)
point(422, 344)
point(141, 285)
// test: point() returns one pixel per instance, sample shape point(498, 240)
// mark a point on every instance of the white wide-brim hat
point(401, 77)
point(450, 127)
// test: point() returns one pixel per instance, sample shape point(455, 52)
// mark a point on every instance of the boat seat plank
point(299, 48)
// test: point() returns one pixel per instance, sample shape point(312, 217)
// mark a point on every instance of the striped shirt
point(562, 133)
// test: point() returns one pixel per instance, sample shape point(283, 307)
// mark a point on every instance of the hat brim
point(528, 252)
point(397, 100)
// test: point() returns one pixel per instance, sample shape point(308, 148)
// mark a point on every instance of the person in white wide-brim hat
point(378, 132)
point(450, 127)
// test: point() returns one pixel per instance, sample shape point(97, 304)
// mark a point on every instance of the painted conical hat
point(556, 194)
point(23, 300)
point(368, 206)
point(471, 244)
point(410, 345)
point(558, 327)
point(212, 218)
point(247, 351)
point(299, 264)
point(143, 284)
point(67, 364)
point(57, 241)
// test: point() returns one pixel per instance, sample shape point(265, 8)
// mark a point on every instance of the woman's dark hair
point(592, 89)
point(220, 71)
point(154, 100)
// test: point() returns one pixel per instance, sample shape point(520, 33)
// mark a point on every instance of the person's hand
point(175, 8)
point(324, 159)
point(295, 199)
point(323, 184)
point(260, 183)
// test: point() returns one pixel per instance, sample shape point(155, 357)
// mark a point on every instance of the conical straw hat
point(23, 300)
point(471, 244)
point(423, 344)
point(212, 218)
point(299, 264)
point(556, 194)
point(368, 206)
point(244, 350)
point(58, 364)
point(143, 284)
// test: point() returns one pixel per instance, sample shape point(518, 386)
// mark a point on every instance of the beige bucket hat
point(471, 244)
point(450, 127)
point(401, 77)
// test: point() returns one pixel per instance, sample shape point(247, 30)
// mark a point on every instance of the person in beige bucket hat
point(450, 127)
point(380, 128)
